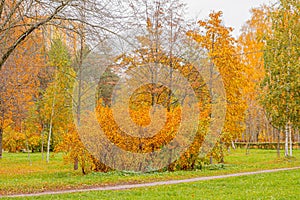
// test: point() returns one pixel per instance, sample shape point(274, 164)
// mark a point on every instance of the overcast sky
point(235, 12)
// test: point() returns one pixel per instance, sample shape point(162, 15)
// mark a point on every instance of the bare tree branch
point(1, 7)
point(24, 35)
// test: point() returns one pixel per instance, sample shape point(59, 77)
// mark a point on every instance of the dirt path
point(131, 186)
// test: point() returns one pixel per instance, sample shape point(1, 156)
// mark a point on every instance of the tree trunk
point(82, 41)
point(1, 136)
point(278, 144)
point(221, 152)
point(211, 160)
point(298, 134)
point(291, 140)
point(49, 142)
point(42, 147)
point(232, 144)
point(27, 145)
point(50, 129)
point(51, 118)
point(286, 147)
point(76, 163)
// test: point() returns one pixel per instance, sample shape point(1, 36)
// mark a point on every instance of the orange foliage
point(19, 82)
point(74, 149)
point(138, 144)
point(222, 51)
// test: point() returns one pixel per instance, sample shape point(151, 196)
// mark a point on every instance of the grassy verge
point(18, 175)
point(279, 185)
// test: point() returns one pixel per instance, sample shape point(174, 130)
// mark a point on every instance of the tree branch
point(29, 31)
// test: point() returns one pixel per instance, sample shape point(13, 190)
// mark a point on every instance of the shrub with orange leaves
point(75, 150)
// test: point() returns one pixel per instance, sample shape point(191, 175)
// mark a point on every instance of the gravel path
point(131, 186)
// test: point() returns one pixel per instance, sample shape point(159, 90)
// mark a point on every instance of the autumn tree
point(20, 19)
point(159, 52)
point(221, 49)
point(27, 15)
point(281, 83)
point(19, 84)
point(160, 38)
point(31, 15)
point(251, 46)
point(88, 63)
point(56, 104)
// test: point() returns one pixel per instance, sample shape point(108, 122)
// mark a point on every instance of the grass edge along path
point(132, 186)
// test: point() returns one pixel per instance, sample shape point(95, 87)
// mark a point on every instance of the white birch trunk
point(50, 131)
point(286, 149)
point(51, 121)
point(291, 141)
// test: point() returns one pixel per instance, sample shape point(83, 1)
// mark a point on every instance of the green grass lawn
point(279, 185)
point(18, 175)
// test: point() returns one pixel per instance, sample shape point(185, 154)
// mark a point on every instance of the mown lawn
point(279, 185)
point(18, 175)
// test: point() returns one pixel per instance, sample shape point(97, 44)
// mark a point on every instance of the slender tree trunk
point(75, 166)
point(286, 147)
point(1, 127)
point(51, 121)
point(291, 140)
point(249, 137)
point(211, 69)
point(1, 136)
point(278, 144)
point(42, 147)
point(171, 66)
point(298, 135)
point(27, 146)
point(170, 86)
point(82, 41)
point(49, 139)
point(221, 152)
point(232, 144)
point(76, 163)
